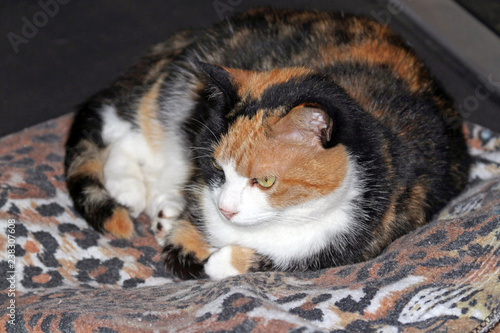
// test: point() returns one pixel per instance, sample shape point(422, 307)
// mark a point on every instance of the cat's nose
point(227, 214)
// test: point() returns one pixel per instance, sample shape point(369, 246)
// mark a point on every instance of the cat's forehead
point(245, 141)
point(251, 146)
point(248, 147)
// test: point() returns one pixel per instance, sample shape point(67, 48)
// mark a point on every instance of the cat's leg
point(166, 175)
point(164, 208)
point(188, 255)
point(234, 260)
point(123, 176)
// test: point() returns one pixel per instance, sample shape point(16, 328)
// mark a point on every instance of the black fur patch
point(184, 266)
point(87, 125)
point(96, 214)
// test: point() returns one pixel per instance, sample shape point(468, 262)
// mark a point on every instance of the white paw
point(129, 192)
point(161, 228)
point(164, 210)
point(170, 205)
point(219, 265)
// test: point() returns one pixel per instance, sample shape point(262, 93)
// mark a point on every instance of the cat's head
point(271, 144)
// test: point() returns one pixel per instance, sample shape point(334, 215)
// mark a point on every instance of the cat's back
point(267, 38)
point(360, 54)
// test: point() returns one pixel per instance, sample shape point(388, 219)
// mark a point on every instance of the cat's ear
point(305, 125)
point(219, 78)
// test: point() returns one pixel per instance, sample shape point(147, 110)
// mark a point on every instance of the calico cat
point(276, 140)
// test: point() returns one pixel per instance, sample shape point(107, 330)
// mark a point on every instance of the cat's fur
point(361, 143)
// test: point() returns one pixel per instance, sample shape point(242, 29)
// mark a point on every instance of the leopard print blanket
point(58, 274)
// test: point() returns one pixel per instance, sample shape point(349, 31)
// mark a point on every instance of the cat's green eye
point(218, 167)
point(266, 182)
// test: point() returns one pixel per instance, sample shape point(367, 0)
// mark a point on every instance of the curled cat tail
point(84, 176)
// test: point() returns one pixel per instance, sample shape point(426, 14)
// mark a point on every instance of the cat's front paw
point(219, 264)
point(161, 225)
point(128, 191)
point(229, 261)
point(164, 211)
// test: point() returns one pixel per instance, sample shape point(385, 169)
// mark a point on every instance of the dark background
point(487, 11)
point(85, 45)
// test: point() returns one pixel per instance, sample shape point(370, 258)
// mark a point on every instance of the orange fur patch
point(242, 258)
point(253, 83)
point(308, 175)
point(303, 172)
point(382, 232)
point(417, 201)
point(88, 162)
point(93, 167)
point(190, 239)
point(379, 52)
point(147, 113)
point(120, 224)
point(413, 216)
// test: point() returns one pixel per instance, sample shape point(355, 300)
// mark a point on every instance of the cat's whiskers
point(289, 219)
point(262, 217)
point(201, 156)
point(200, 148)
point(195, 188)
point(208, 128)
point(197, 150)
